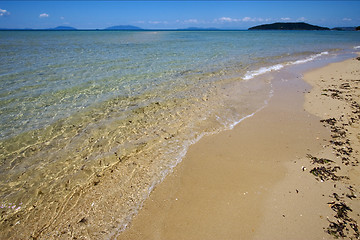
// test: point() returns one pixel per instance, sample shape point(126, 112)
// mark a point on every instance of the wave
point(311, 58)
point(251, 74)
point(357, 47)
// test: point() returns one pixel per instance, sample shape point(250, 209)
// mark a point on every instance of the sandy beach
point(179, 120)
point(286, 173)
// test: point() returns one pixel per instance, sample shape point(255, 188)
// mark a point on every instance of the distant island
point(62, 28)
point(123, 27)
point(273, 26)
point(344, 29)
point(59, 28)
point(288, 26)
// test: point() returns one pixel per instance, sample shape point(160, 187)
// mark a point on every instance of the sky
point(175, 14)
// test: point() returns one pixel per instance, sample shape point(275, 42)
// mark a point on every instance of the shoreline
point(79, 159)
point(190, 203)
point(323, 199)
point(237, 170)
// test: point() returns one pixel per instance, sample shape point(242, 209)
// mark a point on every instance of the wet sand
point(265, 179)
point(322, 201)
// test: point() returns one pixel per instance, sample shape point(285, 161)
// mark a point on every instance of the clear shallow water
point(74, 104)
point(47, 76)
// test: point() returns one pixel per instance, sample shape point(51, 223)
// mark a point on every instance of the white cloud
point(4, 12)
point(347, 19)
point(249, 19)
point(244, 19)
point(158, 22)
point(191, 21)
point(44, 15)
point(302, 19)
point(62, 18)
point(227, 19)
point(285, 19)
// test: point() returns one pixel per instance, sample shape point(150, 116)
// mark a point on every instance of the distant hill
point(59, 28)
point(344, 29)
point(62, 28)
point(16, 29)
point(123, 27)
point(288, 26)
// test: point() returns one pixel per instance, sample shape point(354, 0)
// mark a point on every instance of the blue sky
point(175, 14)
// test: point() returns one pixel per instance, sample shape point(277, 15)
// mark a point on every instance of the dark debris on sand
point(342, 226)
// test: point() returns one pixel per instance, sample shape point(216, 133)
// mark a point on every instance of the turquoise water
point(47, 76)
point(74, 104)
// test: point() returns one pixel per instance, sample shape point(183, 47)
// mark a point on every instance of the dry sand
point(258, 180)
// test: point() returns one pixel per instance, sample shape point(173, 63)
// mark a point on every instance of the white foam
point(251, 74)
point(309, 58)
point(357, 47)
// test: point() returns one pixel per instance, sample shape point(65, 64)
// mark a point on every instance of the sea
point(74, 104)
